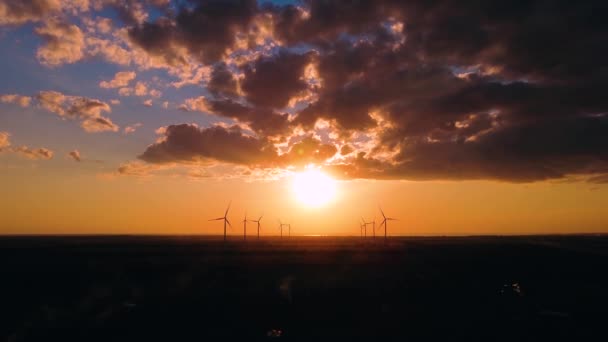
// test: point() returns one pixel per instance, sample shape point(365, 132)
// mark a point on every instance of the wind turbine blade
point(392, 219)
point(260, 219)
point(217, 219)
point(382, 212)
point(229, 204)
point(228, 223)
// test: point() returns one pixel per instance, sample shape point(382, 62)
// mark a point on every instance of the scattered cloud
point(23, 101)
point(4, 140)
point(141, 89)
point(132, 128)
point(88, 111)
point(137, 168)
point(64, 43)
point(121, 79)
point(75, 155)
point(23, 151)
point(21, 12)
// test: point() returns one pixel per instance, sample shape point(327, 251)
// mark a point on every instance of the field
point(303, 289)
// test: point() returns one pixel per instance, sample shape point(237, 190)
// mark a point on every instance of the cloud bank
point(384, 89)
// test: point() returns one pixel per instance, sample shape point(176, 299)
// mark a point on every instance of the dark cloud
point(205, 28)
point(325, 20)
point(271, 82)
point(309, 150)
point(265, 122)
point(511, 91)
point(189, 143)
point(346, 149)
point(223, 82)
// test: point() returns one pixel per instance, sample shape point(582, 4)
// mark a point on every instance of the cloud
point(64, 43)
point(121, 79)
point(271, 82)
point(132, 128)
point(147, 103)
point(370, 89)
point(75, 155)
point(205, 30)
point(141, 89)
point(136, 168)
point(23, 151)
point(155, 93)
point(21, 11)
point(88, 111)
point(189, 143)
point(23, 101)
point(126, 91)
point(4, 140)
point(36, 153)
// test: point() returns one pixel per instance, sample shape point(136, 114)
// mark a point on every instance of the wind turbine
point(373, 223)
point(384, 222)
point(281, 225)
point(245, 227)
point(258, 222)
point(225, 218)
point(364, 225)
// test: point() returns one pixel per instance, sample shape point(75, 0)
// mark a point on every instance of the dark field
point(308, 289)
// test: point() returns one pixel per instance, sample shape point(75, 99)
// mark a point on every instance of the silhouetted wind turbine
point(258, 222)
point(245, 227)
point(281, 225)
point(364, 226)
point(225, 218)
point(384, 222)
point(373, 223)
point(374, 227)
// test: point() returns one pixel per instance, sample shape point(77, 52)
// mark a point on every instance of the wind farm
point(363, 224)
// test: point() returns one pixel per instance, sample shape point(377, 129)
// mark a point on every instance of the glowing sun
point(313, 188)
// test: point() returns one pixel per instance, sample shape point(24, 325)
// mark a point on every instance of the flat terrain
point(306, 289)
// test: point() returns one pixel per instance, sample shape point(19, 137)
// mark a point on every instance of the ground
point(303, 288)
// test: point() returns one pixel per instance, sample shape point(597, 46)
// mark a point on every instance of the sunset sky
point(456, 117)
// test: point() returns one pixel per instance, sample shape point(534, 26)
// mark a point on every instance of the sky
point(151, 116)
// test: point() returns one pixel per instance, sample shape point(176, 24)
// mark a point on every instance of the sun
point(313, 188)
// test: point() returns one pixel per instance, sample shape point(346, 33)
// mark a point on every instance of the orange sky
point(36, 201)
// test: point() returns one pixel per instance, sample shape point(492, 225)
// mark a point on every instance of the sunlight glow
point(313, 188)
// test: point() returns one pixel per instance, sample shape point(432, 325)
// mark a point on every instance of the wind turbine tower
point(225, 218)
point(384, 222)
point(245, 227)
point(258, 222)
